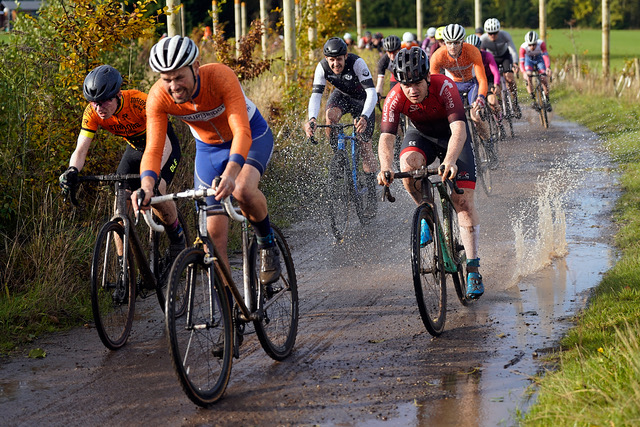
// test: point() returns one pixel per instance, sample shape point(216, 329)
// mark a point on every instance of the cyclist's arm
point(545, 55)
point(79, 155)
point(481, 76)
point(366, 80)
point(512, 47)
point(454, 148)
point(385, 151)
point(319, 82)
point(493, 66)
point(380, 84)
point(523, 52)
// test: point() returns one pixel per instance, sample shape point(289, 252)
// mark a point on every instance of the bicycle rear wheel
point(277, 302)
point(113, 291)
point(428, 273)
point(201, 341)
point(459, 256)
point(162, 262)
point(339, 186)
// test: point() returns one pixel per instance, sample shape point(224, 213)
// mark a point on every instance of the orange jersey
point(408, 45)
point(129, 121)
point(462, 68)
point(218, 112)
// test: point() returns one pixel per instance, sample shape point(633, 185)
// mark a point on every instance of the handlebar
point(421, 174)
point(98, 178)
point(339, 126)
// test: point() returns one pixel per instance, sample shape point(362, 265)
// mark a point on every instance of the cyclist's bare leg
point(332, 116)
point(469, 221)
point(218, 229)
point(369, 163)
point(481, 125)
point(166, 211)
point(511, 82)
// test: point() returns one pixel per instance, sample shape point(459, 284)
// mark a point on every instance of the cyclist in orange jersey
point(233, 141)
point(123, 113)
point(464, 64)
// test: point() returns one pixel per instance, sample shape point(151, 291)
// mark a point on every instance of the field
point(563, 42)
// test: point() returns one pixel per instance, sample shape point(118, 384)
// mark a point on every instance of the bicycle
point(117, 252)
point(347, 182)
point(205, 339)
point(484, 152)
point(444, 255)
point(507, 105)
point(540, 101)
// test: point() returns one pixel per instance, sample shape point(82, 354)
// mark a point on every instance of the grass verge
point(597, 380)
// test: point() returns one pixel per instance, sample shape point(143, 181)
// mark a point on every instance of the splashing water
point(540, 228)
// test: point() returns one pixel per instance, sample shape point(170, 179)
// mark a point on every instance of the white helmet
point(531, 37)
point(170, 54)
point(492, 25)
point(407, 37)
point(453, 33)
point(431, 32)
point(347, 36)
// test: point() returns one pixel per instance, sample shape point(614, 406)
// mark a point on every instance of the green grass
point(598, 380)
point(563, 42)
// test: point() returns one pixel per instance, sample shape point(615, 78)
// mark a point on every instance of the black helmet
point(411, 66)
point(335, 46)
point(101, 84)
point(392, 43)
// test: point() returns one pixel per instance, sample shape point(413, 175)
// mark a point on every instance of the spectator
point(366, 41)
point(377, 43)
point(348, 39)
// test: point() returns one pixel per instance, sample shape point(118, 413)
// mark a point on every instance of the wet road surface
point(363, 356)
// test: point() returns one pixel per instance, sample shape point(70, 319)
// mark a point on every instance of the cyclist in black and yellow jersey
point(123, 113)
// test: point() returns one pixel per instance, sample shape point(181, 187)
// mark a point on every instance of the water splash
point(540, 226)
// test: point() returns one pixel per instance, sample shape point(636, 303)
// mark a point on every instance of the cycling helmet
point(411, 66)
point(407, 37)
point(531, 37)
point(474, 40)
point(431, 32)
point(453, 33)
point(347, 36)
point(367, 34)
point(101, 84)
point(335, 46)
point(170, 54)
point(391, 43)
point(492, 25)
point(439, 33)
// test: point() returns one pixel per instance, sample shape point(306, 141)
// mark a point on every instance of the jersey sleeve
point(391, 111)
point(494, 69)
point(235, 103)
point(366, 80)
point(89, 123)
point(478, 67)
point(157, 120)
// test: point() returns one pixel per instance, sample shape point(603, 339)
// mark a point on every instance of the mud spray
point(540, 226)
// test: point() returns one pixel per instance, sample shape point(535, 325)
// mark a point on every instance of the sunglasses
point(453, 43)
point(493, 34)
point(100, 103)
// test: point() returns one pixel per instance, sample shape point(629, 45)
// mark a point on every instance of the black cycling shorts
point(347, 104)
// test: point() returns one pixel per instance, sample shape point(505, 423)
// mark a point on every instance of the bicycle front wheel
point(428, 272)
point(339, 187)
point(542, 105)
point(201, 341)
point(113, 291)
point(459, 256)
point(277, 302)
point(508, 112)
point(163, 260)
point(484, 166)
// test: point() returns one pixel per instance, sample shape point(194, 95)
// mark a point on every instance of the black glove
point(68, 179)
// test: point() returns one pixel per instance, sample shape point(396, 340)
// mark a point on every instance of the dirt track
point(363, 356)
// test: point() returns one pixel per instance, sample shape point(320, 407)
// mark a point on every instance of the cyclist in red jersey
point(233, 141)
point(438, 131)
point(123, 113)
point(464, 63)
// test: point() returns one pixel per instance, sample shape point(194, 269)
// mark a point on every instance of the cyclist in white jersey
point(533, 55)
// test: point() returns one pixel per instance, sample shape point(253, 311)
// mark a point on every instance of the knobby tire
point(113, 292)
point(201, 340)
point(339, 189)
point(163, 266)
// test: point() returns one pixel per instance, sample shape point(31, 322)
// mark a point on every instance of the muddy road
point(363, 356)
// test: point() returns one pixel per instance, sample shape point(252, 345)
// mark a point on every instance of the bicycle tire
point(364, 192)
point(163, 265)
point(201, 341)
point(483, 166)
point(113, 294)
point(428, 273)
point(494, 131)
point(542, 111)
point(508, 112)
point(458, 277)
point(339, 186)
point(277, 302)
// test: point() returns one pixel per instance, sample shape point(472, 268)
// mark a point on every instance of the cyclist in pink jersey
point(490, 69)
point(233, 141)
point(439, 131)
